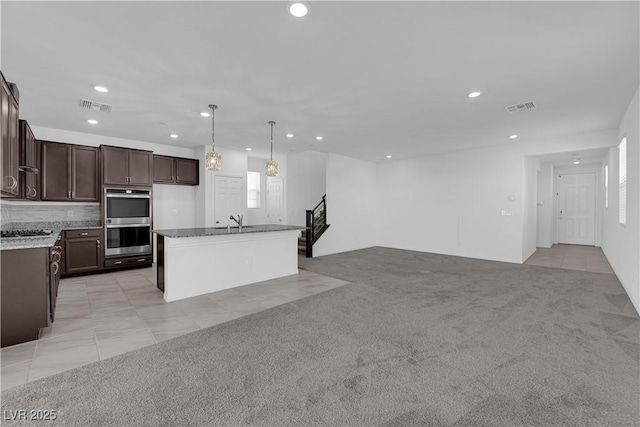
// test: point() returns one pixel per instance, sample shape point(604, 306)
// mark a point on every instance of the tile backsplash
point(16, 213)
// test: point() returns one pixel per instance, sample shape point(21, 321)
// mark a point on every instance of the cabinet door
point(56, 171)
point(9, 132)
point(115, 165)
point(163, 172)
point(29, 157)
point(84, 174)
point(83, 254)
point(187, 171)
point(4, 130)
point(14, 143)
point(140, 168)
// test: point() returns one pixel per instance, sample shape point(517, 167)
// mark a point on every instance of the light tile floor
point(103, 315)
point(572, 257)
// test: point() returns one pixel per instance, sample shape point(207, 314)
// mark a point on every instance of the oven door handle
point(129, 196)
point(126, 225)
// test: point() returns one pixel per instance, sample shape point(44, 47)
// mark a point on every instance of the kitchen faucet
point(238, 221)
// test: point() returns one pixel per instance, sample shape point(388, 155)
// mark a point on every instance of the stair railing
point(316, 222)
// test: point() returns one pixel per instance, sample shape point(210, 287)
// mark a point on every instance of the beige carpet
point(415, 339)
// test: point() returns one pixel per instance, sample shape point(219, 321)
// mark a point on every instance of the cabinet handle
point(142, 260)
point(84, 234)
point(98, 242)
point(28, 190)
point(14, 183)
point(117, 262)
point(35, 192)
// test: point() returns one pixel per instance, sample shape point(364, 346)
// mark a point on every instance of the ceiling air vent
point(95, 106)
point(529, 105)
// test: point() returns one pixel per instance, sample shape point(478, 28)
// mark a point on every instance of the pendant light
point(213, 159)
point(272, 167)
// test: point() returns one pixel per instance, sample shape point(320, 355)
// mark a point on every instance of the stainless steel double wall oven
point(127, 222)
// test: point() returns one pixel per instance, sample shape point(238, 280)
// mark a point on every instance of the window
point(253, 190)
point(622, 181)
point(606, 186)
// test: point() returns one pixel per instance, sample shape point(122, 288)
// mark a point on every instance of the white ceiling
point(373, 78)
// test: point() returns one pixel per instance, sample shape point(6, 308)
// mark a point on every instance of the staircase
point(316, 226)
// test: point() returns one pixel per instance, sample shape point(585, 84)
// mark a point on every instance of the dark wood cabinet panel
point(141, 168)
point(10, 142)
point(56, 172)
point(85, 162)
point(115, 165)
point(26, 294)
point(163, 170)
point(187, 171)
point(29, 156)
point(126, 167)
point(69, 172)
point(82, 254)
point(175, 170)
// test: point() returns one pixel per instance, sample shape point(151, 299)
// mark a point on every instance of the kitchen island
point(196, 261)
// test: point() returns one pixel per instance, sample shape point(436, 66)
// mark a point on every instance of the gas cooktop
point(25, 233)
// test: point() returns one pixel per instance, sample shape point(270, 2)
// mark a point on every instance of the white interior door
point(227, 199)
point(275, 201)
point(577, 208)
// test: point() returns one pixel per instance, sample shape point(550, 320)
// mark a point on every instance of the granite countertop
point(34, 242)
point(222, 231)
point(29, 242)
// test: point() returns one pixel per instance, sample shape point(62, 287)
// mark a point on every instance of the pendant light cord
point(271, 123)
point(213, 126)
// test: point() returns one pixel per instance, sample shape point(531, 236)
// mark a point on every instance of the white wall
point(621, 244)
point(530, 209)
point(451, 204)
point(307, 172)
point(351, 206)
point(546, 235)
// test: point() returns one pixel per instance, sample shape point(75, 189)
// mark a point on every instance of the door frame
point(556, 210)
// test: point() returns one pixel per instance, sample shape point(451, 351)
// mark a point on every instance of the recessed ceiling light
point(92, 122)
point(289, 135)
point(474, 94)
point(577, 162)
point(319, 138)
point(513, 136)
point(248, 148)
point(298, 9)
point(205, 114)
point(101, 89)
point(173, 135)
point(389, 156)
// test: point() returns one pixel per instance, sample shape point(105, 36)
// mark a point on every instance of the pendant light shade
point(213, 160)
point(272, 167)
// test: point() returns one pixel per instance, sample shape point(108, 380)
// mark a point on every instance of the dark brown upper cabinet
point(10, 142)
point(126, 167)
point(69, 172)
point(30, 156)
point(175, 170)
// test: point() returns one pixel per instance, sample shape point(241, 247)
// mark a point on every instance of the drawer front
point(128, 262)
point(74, 234)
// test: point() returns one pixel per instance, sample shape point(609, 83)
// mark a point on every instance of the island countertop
point(224, 231)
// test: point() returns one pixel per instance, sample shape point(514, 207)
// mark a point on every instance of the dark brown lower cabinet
point(29, 286)
point(83, 251)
